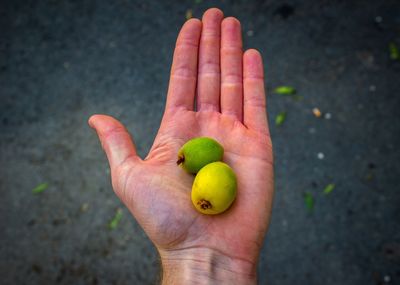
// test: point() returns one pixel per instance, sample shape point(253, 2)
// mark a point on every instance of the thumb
point(115, 139)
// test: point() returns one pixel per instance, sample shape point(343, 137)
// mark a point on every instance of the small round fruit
point(199, 152)
point(214, 188)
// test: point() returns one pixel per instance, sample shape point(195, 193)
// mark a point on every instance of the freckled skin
point(214, 188)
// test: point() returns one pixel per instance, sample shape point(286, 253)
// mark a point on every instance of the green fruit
point(214, 188)
point(199, 152)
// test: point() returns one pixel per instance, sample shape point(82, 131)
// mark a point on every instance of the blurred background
point(335, 129)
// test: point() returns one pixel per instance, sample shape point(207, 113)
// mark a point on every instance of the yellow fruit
point(199, 152)
point(214, 188)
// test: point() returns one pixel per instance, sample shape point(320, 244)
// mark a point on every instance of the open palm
point(208, 68)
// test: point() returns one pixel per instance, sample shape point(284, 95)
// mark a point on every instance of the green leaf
point(394, 51)
point(285, 90)
point(40, 188)
point(280, 118)
point(329, 188)
point(189, 14)
point(309, 201)
point(115, 221)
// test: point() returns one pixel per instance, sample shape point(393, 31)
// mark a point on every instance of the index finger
point(182, 84)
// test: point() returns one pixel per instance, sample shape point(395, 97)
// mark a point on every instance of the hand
point(228, 87)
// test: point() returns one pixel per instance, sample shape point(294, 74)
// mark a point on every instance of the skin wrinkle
point(212, 268)
point(120, 173)
point(161, 225)
point(230, 258)
point(132, 191)
point(231, 113)
point(170, 115)
point(209, 107)
point(184, 75)
point(209, 64)
point(164, 147)
point(229, 48)
point(186, 43)
point(212, 74)
point(105, 136)
point(257, 103)
point(270, 163)
point(182, 237)
point(256, 78)
point(163, 140)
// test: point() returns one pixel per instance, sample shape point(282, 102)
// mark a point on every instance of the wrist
point(205, 266)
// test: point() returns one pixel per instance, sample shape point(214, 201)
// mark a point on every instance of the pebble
point(317, 113)
point(328, 116)
point(189, 14)
point(250, 33)
point(320, 155)
point(387, 278)
point(84, 207)
point(372, 88)
point(378, 19)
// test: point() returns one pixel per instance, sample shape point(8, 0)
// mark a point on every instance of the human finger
point(182, 84)
point(231, 68)
point(209, 71)
point(115, 139)
point(254, 102)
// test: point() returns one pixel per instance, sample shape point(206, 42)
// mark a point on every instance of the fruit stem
point(204, 204)
point(181, 159)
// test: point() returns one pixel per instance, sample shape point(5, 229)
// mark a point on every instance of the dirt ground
point(61, 61)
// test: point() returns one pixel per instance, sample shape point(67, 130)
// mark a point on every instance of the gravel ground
point(61, 61)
